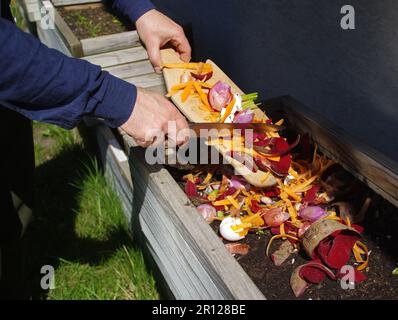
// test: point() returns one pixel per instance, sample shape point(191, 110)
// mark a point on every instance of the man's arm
point(45, 85)
point(132, 8)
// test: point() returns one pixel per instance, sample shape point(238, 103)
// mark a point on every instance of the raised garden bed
point(89, 29)
point(193, 260)
point(90, 21)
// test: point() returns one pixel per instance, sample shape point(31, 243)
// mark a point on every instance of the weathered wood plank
point(130, 70)
point(377, 171)
point(111, 42)
point(147, 80)
point(84, 6)
point(58, 3)
point(118, 57)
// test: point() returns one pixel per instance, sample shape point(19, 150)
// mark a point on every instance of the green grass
point(80, 228)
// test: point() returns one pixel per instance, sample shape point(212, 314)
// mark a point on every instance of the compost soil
point(380, 236)
point(94, 22)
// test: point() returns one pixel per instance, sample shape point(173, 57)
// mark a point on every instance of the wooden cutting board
point(190, 108)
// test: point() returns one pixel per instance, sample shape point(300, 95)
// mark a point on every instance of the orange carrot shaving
point(187, 91)
point(361, 249)
point(189, 65)
point(233, 202)
point(202, 95)
point(228, 110)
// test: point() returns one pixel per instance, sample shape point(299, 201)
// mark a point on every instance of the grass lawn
point(79, 227)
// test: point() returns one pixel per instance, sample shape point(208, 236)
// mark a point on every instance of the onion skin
point(220, 95)
point(244, 116)
point(312, 213)
point(207, 211)
point(238, 183)
point(274, 217)
point(202, 76)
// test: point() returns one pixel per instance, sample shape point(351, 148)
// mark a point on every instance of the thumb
point(153, 50)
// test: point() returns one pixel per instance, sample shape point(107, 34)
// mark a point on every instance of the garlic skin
point(226, 231)
point(266, 200)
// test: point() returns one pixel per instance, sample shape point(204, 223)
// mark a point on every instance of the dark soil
point(380, 236)
point(93, 22)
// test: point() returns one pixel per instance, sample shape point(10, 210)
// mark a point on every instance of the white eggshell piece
point(227, 232)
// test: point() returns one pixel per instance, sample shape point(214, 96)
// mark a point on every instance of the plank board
point(191, 110)
point(101, 44)
point(118, 57)
point(147, 80)
point(130, 70)
point(59, 3)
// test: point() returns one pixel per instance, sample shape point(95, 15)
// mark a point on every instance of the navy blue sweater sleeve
point(132, 8)
point(45, 85)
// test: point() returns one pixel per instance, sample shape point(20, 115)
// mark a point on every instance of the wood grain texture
point(118, 57)
point(58, 3)
point(130, 70)
point(111, 42)
point(373, 168)
point(191, 110)
point(83, 6)
point(146, 80)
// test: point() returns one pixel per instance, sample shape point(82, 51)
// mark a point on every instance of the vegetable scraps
point(299, 211)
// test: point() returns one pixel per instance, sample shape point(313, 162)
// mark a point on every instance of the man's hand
point(156, 30)
point(153, 118)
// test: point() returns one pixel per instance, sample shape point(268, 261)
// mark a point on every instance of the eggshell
point(226, 231)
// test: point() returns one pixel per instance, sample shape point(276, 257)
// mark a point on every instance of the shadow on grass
point(52, 235)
